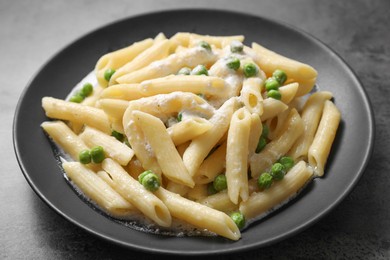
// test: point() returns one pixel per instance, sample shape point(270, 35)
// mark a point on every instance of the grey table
point(32, 31)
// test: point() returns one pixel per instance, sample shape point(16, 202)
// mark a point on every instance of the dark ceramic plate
point(56, 78)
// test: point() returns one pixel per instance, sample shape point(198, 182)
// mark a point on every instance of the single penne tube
point(122, 91)
point(206, 85)
point(212, 166)
point(237, 155)
point(311, 115)
point(136, 194)
point(170, 65)
point(168, 158)
point(320, 148)
point(270, 61)
point(254, 134)
point(63, 136)
point(98, 191)
point(217, 41)
point(188, 129)
point(157, 51)
point(113, 148)
point(261, 203)
point(202, 145)
point(288, 92)
point(251, 95)
point(271, 108)
point(260, 162)
point(199, 215)
point(114, 108)
point(219, 201)
point(64, 110)
point(117, 59)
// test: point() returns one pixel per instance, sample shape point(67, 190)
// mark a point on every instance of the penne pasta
point(278, 147)
point(237, 155)
point(192, 129)
point(259, 203)
point(134, 192)
point(311, 115)
point(64, 110)
point(319, 150)
point(271, 108)
point(219, 201)
point(188, 129)
point(62, 135)
point(202, 145)
point(299, 72)
point(99, 191)
point(212, 166)
point(117, 59)
point(199, 215)
point(159, 50)
point(113, 148)
point(168, 158)
point(170, 65)
point(251, 95)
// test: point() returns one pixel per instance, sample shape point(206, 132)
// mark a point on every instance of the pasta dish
point(195, 129)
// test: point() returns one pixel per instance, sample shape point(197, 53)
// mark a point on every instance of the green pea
point(261, 144)
point(250, 70)
point(264, 181)
point(200, 70)
point(287, 162)
point(77, 98)
point(142, 175)
point(179, 117)
point(97, 154)
point(265, 131)
point(220, 182)
point(151, 182)
point(275, 94)
point(271, 83)
point(85, 156)
point(108, 74)
point(238, 218)
point(278, 171)
point(86, 90)
point(280, 76)
point(236, 46)
point(205, 45)
point(233, 63)
point(184, 71)
point(117, 135)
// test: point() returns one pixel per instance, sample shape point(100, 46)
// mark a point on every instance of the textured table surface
point(32, 31)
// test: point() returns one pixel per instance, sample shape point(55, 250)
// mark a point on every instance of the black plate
point(349, 156)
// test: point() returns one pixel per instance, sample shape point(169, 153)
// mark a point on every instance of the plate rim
point(303, 226)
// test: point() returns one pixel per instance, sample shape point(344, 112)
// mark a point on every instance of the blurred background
point(31, 32)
